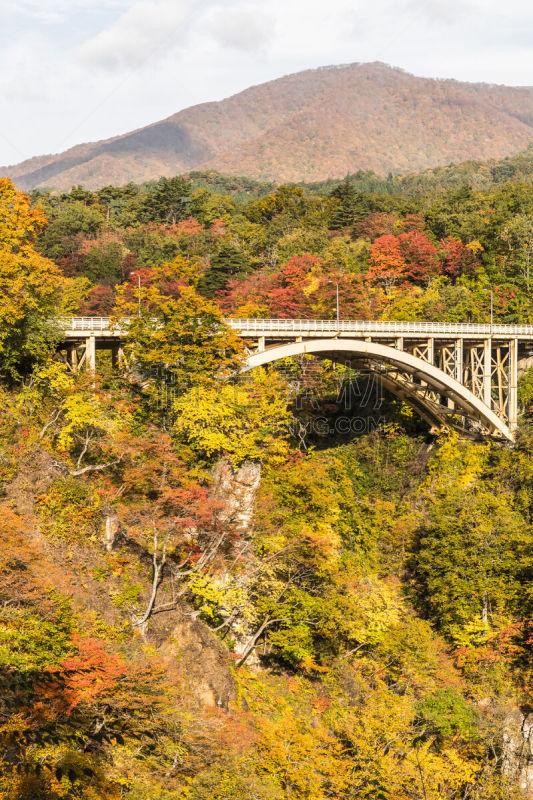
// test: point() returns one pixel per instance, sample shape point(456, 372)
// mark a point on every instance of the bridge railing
point(87, 324)
point(256, 326)
point(363, 326)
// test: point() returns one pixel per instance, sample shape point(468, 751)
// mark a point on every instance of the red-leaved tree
point(410, 257)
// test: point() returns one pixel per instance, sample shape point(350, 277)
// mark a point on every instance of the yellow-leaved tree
point(175, 335)
point(239, 421)
point(29, 286)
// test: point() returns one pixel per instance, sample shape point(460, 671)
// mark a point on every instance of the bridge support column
point(261, 344)
point(513, 384)
point(90, 350)
point(431, 351)
point(117, 356)
point(457, 370)
point(459, 367)
point(487, 372)
point(501, 377)
point(72, 357)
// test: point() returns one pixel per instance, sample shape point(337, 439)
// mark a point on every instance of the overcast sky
point(80, 70)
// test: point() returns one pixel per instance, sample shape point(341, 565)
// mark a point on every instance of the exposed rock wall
point(189, 647)
point(524, 365)
point(518, 750)
point(237, 490)
point(196, 658)
point(111, 531)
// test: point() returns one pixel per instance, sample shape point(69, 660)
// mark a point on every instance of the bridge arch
point(402, 373)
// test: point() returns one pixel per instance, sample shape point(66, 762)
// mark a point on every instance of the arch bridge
point(461, 376)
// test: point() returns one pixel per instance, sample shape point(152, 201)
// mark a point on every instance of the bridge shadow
point(334, 404)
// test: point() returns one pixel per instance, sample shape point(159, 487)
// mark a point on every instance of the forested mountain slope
point(479, 175)
point(312, 125)
point(279, 586)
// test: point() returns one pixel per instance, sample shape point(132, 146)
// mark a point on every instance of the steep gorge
point(370, 658)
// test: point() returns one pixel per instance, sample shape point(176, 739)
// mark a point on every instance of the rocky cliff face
point(236, 490)
point(518, 750)
point(192, 650)
point(187, 646)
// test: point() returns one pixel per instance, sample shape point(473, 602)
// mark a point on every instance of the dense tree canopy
point(174, 333)
point(388, 251)
point(212, 588)
point(29, 285)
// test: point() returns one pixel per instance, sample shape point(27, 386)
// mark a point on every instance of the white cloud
point(241, 28)
point(146, 31)
point(55, 10)
point(27, 79)
point(80, 70)
point(451, 12)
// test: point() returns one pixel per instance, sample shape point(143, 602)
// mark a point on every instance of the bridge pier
point(90, 353)
point(431, 351)
point(513, 385)
point(487, 372)
point(72, 357)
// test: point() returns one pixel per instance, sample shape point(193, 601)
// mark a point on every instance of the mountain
point(311, 126)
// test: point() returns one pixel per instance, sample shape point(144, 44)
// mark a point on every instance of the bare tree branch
point(158, 566)
point(254, 638)
point(94, 468)
point(84, 449)
point(51, 422)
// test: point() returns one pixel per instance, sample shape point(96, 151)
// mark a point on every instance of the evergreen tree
point(169, 201)
point(228, 262)
point(350, 207)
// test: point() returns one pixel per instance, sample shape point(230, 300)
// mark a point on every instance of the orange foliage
point(89, 674)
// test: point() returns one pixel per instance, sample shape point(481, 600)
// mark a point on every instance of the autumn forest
point(207, 596)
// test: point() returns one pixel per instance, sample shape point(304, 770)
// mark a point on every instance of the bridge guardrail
point(333, 326)
point(87, 323)
point(99, 324)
